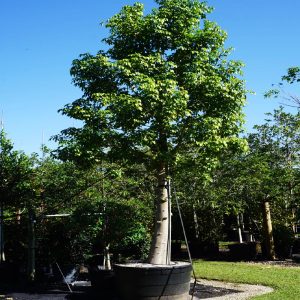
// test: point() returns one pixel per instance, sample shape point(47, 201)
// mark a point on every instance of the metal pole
point(62, 274)
point(1, 205)
point(186, 242)
point(170, 222)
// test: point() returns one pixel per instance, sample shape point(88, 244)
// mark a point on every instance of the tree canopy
point(163, 85)
point(15, 172)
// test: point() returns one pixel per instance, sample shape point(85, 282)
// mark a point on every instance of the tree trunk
point(159, 252)
point(291, 201)
point(196, 223)
point(2, 255)
point(268, 231)
point(31, 247)
point(18, 217)
point(294, 222)
point(106, 259)
point(239, 229)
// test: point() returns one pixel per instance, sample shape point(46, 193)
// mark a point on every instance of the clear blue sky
point(40, 38)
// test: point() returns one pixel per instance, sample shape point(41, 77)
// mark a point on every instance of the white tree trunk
point(106, 259)
point(159, 246)
point(196, 223)
point(239, 229)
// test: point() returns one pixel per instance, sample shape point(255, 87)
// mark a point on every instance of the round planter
point(204, 249)
point(101, 279)
point(244, 251)
point(140, 281)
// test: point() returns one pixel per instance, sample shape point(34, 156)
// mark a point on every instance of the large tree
point(163, 90)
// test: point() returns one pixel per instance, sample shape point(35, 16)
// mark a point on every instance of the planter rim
point(141, 265)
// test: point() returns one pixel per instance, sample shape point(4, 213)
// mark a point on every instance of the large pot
point(140, 281)
point(102, 279)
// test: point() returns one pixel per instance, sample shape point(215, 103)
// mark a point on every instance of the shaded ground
point(209, 290)
point(204, 289)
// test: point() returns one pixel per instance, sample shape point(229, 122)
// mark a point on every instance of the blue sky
point(39, 40)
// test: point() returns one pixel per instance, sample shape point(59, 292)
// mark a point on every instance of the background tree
point(15, 172)
point(279, 90)
point(76, 212)
point(162, 91)
point(267, 180)
point(278, 138)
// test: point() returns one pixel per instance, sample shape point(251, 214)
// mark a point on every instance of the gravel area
point(217, 290)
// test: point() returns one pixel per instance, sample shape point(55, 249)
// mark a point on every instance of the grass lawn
point(284, 280)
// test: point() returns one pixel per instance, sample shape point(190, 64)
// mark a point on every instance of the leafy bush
point(283, 240)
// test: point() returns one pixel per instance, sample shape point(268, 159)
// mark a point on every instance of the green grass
point(284, 280)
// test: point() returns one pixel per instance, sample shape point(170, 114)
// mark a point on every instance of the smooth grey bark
point(159, 246)
point(294, 224)
point(196, 223)
point(239, 229)
point(106, 259)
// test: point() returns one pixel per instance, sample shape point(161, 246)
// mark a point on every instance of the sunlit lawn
point(284, 280)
